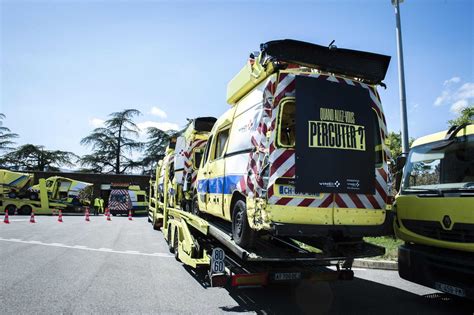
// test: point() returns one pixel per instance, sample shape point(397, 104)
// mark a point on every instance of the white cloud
point(158, 112)
point(96, 122)
point(458, 106)
point(160, 125)
point(452, 80)
point(457, 98)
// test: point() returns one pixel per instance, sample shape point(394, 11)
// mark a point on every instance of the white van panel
point(244, 126)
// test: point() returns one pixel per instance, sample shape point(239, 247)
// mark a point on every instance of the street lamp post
point(401, 78)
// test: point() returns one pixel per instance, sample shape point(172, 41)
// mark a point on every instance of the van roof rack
point(369, 67)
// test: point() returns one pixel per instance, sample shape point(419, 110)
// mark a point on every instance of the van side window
point(222, 138)
point(197, 158)
point(140, 198)
point(206, 151)
point(287, 126)
point(377, 142)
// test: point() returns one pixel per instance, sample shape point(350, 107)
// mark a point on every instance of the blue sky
point(66, 65)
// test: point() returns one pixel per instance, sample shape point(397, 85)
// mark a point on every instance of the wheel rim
point(238, 223)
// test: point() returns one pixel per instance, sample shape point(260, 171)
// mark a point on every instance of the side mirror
point(399, 164)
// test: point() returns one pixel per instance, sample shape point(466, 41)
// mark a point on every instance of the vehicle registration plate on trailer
point(450, 289)
point(284, 276)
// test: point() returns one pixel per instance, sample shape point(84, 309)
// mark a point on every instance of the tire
point(25, 210)
point(11, 209)
point(243, 235)
point(176, 244)
point(12, 195)
point(195, 206)
point(170, 243)
point(155, 223)
point(34, 196)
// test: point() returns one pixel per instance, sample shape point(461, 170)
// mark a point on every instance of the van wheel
point(12, 195)
point(195, 206)
point(243, 235)
point(11, 209)
point(25, 210)
point(34, 196)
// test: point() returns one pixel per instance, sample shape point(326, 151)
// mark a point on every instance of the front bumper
point(441, 269)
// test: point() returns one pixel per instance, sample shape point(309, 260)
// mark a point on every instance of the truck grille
point(460, 233)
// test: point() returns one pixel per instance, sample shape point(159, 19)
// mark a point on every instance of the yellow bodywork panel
point(412, 207)
point(300, 215)
point(469, 130)
point(247, 78)
point(354, 216)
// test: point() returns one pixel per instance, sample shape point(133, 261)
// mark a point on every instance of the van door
point(216, 172)
point(366, 209)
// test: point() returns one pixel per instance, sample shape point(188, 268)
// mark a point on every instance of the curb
point(375, 264)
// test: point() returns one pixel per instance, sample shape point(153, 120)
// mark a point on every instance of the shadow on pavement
point(358, 296)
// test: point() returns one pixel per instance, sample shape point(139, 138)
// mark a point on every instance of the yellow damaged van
point(187, 158)
point(301, 152)
point(435, 212)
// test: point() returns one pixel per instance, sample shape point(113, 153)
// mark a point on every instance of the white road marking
point(82, 247)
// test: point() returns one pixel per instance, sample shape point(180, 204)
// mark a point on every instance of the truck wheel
point(243, 235)
point(176, 244)
point(25, 210)
point(12, 195)
point(195, 206)
point(11, 209)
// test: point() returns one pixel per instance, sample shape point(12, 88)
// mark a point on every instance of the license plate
point(450, 289)
point(289, 191)
point(284, 276)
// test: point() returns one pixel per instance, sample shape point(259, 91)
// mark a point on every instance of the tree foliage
point(114, 144)
point(31, 157)
point(396, 143)
point(6, 136)
point(155, 148)
point(466, 116)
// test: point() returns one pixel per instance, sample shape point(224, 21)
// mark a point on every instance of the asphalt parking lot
point(124, 266)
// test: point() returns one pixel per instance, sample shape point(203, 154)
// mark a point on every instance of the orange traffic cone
point(108, 216)
point(6, 220)
point(130, 215)
point(60, 216)
point(87, 215)
point(32, 217)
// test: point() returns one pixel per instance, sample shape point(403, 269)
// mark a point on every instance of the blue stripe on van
point(219, 185)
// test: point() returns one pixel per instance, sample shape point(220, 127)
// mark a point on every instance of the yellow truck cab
point(312, 170)
point(435, 212)
point(187, 158)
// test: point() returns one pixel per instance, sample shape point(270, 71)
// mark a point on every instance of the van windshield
point(433, 168)
point(118, 198)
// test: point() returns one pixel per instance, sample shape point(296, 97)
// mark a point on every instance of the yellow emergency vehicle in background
point(72, 192)
point(186, 160)
point(435, 212)
point(16, 184)
point(249, 173)
point(156, 203)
